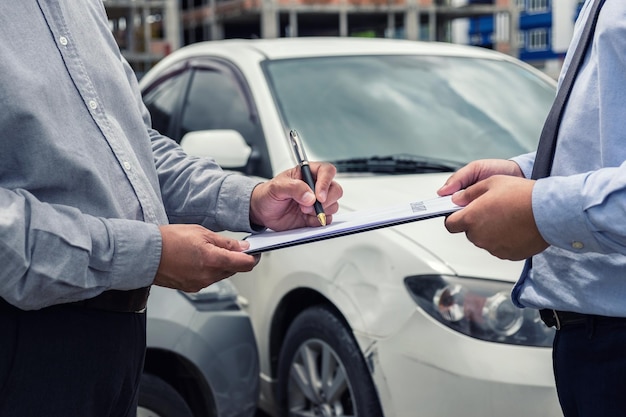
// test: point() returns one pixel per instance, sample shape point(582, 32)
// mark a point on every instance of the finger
point(471, 193)
point(455, 223)
point(455, 182)
point(296, 190)
point(324, 174)
point(459, 198)
point(461, 179)
point(224, 242)
point(335, 192)
point(331, 208)
point(231, 245)
point(451, 186)
point(290, 185)
point(229, 261)
point(311, 220)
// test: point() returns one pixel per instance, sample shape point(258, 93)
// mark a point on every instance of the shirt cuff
point(525, 163)
point(127, 251)
point(558, 208)
point(233, 208)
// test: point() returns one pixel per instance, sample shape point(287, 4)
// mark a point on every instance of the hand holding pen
point(286, 201)
point(303, 162)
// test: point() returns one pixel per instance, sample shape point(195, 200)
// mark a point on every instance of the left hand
point(498, 217)
point(286, 201)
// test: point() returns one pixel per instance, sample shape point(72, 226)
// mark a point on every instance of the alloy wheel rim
point(318, 383)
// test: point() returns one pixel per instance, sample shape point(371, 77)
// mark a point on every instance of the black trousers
point(590, 368)
point(67, 361)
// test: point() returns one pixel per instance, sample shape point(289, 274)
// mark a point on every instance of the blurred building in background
point(430, 20)
point(145, 30)
point(544, 30)
point(537, 31)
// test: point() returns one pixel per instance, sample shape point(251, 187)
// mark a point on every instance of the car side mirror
point(227, 147)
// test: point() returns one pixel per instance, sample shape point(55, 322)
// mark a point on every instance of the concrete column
point(411, 20)
point(171, 24)
point(390, 31)
point(343, 22)
point(432, 25)
point(216, 31)
point(269, 20)
point(293, 24)
point(343, 18)
point(514, 31)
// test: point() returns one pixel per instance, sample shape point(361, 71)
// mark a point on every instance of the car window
point(163, 98)
point(446, 108)
point(218, 99)
point(215, 101)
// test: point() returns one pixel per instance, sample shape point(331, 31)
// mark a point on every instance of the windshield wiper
point(396, 164)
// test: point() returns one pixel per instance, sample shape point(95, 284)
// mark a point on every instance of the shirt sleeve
point(54, 254)
point(584, 212)
point(197, 190)
point(525, 163)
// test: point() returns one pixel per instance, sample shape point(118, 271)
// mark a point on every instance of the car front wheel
point(159, 399)
point(321, 371)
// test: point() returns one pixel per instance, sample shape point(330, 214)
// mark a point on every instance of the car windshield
point(426, 109)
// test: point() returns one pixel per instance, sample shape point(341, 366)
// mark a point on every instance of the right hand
point(286, 202)
point(498, 206)
point(194, 257)
point(477, 171)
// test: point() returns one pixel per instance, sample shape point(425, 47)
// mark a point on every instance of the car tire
point(157, 398)
point(321, 370)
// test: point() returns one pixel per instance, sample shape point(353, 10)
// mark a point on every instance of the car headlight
point(220, 295)
point(479, 308)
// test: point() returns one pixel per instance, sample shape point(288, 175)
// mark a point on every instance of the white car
point(404, 321)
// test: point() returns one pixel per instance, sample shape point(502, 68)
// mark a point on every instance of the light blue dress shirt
point(84, 181)
point(580, 209)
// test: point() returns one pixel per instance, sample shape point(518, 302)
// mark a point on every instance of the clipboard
point(349, 223)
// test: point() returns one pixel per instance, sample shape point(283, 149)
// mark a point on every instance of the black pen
point(301, 159)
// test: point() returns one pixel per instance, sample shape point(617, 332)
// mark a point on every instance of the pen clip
point(297, 148)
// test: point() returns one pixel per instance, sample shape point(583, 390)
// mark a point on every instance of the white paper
point(353, 222)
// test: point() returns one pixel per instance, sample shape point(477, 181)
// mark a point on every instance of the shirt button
point(578, 245)
point(63, 40)
point(93, 104)
point(127, 165)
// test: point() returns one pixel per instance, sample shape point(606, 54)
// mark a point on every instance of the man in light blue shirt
point(87, 192)
point(571, 223)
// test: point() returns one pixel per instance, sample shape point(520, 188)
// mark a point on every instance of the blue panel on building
point(524, 55)
point(482, 24)
point(481, 30)
point(536, 20)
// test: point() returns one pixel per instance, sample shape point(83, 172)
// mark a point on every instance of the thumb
point(451, 186)
point(464, 197)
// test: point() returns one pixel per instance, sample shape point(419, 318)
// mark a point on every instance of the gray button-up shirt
point(84, 180)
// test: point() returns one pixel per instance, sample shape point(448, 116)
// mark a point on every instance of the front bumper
point(426, 369)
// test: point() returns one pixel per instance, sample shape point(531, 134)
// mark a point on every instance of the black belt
point(133, 301)
point(560, 319)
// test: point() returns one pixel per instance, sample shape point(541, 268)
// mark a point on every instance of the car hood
point(453, 250)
